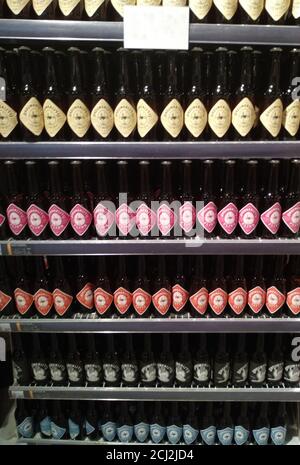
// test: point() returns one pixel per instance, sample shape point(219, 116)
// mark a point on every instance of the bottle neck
point(110, 343)
point(3, 72)
point(199, 268)
point(279, 266)
point(221, 76)
point(26, 70)
point(172, 83)
point(264, 409)
point(71, 343)
point(244, 410)
point(123, 178)
point(36, 343)
point(187, 179)
point(197, 80)
point(229, 179)
point(294, 183)
point(251, 186)
point(39, 268)
point(259, 266)
point(142, 266)
point(203, 343)
point(294, 67)
point(101, 266)
point(77, 179)
point(20, 268)
point(166, 343)
point(246, 71)
point(260, 343)
point(241, 343)
point(184, 342)
point(144, 179)
point(59, 268)
point(162, 267)
point(54, 343)
point(227, 409)
point(222, 343)
point(129, 344)
point(208, 179)
point(32, 177)
point(239, 266)
point(175, 409)
point(208, 71)
point(101, 179)
point(91, 343)
point(99, 80)
point(124, 86)
point(55, 180)
point(50, 75)
point(122, 266)
point(273, 179)
point(167, 180)
point(80, 266)
point(219, 267)
point(147, 343)
point(76, 76)
point(148, 83)
point(180, 268)
point(274, 79)
point(11, 179)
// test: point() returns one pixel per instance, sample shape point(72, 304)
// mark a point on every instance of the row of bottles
point(196, 95)
point(184, 361)
point(170, 422)
point(233, 199)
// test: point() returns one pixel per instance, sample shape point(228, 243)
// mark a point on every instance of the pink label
point(2, 219)
point(256, 299)
point(248, 218)
point(187, 216)
point(208, 217)
point(166, 219)
point(81, 219)
point(293, 300)
point(291, 217)
point(275, 299)
point(103, 219)
point(58, 219)
point(145, 219)
point(237, 300)
point(17, 219)
point(125, 218)
point(271, 218)
point(199, 300)
point(217, 300)
point(228, 218)
point(37, 219)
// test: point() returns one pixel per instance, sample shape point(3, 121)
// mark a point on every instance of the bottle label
point(103, 219)
point(141, 431)
point(227, 8)
point(40, 6)
point(291, 118)
point(78, 116)
point(119, 5)
point(74, 429)
point(291, 218)
point(129, 372)
point(293, 300)
point(208, 217)
point(237, 300)
point(240, 372)
point(208, 435)
point(57, 371)
point(165, 373)
point(173, 2)
point(38, 219)
point(91, 6)
point(32, 116)
point(103, 300)
point(92, 372)
point(187, 216)
point(45, 426)
point(157, 433)
point(256, 299)
point(54, 117)
point(243, 117)
point(182, 372)
point(217, 300)
point(4, 300)
point(241, 435)
point(258, 373)
point(222, 373)
point(291, 373)
point(86, 296)
point(219, 117)
point(39, 371)
point(146, 118)
point(43, 301)
point(200, 8)
point(271, 118)
point(8, 119)
point(125, 433)
point(145, 219)
point(17, 219)
point(16, 6)
point(228, 218)
point(89, 428)
point(18, 372)
point(252, 7)
point(277, 8)
point(278, 435)
point(125, 219)
point(111, 372)
point(225, 436)
point(166, 219)
point(199, 300)
point(190, 434)
point(56, 431)
point(62, 301)
point(271, 218)
point(81, 219)
point(179, 297)
point(162, 300)
point(67, 6)
point(202, 372)
point(296, 9)
point(125, 114)
point(122, 300)
point(195, 116)
point(174, 433)
point(74, 372)
point(261, 436)
point(2, 219)
point(25, 429)
point(148, 373)
point(58, 219)
point(109, 431)
point(148, 2)
point(275, 372)
point(141, 301)
point(172, 118)
point(102, 115)
point(275, 299)
point(248, 218)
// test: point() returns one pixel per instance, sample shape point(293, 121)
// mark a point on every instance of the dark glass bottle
point(37, 204)
point(242, 427)
point(275, 362)
point(257, 83)
point(43, 420)
point(84, 289)
point(157, 424)
point(191, 426)
point(291, 373)
point(278, 424)
point(258, 363)
point(62, 291)
point(44, 9)
point(183, 364)
point(59, 218)
point(208, 426)
point(9, 129)
point(249, 204)
point(225, 12)
point(129, 364)
point(174, 425)
point(166, 217)
point(276, 13)
point(293, 287)
point(161, 290)
point(145, 217)
point(187, 211)
point(290, 223)
point(75, 421)
point(270, 205)
point(7, 306)
point(39, 365)
point(225, 427)
point(24, 420)
point(148, 369)
point(261, 426)
point(228, 212)
point(250, 12)
point(108, 422)
point(59, 423)
point(104, 210)
point(125, 216)
point(95, 10)
point(221, 363)
point(122, 293)
point(166, 364)
point(200, 12)
point(202, 363)
point(23, 292)
point(198, 289)
point(180, 294)
point(74, 362)
point(141, 296)
point(218, 296)
point(15, 201)
point(42, 291)
point(141, 424)
point(237, 289)
point(91, 421)
point(207, 216)
point(70, 10)
point(15, 9)
point(291, 112)
point(147, 111)
point(20, 362)
point(111, 364)
point(80, 214)
point(160, 63)
point(240, 365)
point(103, 296)
point(125, 424)
point(4, 232)
point(58, 372)
point(276, 289)
point(92, 364)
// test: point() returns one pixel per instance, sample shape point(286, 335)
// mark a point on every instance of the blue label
point(190, 434)
point(174, 433)
point(208, 435)
point(225, 436)
point(25, 429)
point(74, 429)
point(141, 431)
point(157, 432)
point(278, 435)
point(125, 433)
point(241, 435)
point(261, 436)
point(89, 428)
point(109, 431)
point(45, 426)
point(56, 431)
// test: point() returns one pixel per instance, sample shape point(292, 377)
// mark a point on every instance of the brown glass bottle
point(225, 12)
point(23, 291)
point(290, 222)
point(250, 12)
point(42, 292)
point(218, 296)
point(207, 215)
point(70, 9)
point(271, 211)
point(15, 9)
point(103, 296)
point(147, 112)
point(62, 291)
point(187, 211)
point(237, 289)
point(37, 204)
point(59, 218)
point(200, 12)
point(4, 230)
point(160, 63)
point(80, 214)
point(166, 217)
point(141, 296)
point(256, 289)
point(257, 84)
point(44, 9)
point(7, 306)
point(122, 293)
point(84, 289)
point(276, 12)
point(161, 291)
point(249, 204)
point(61, 69)
point(198, 290)
point(180, 293)
point(145, 217)
point(293, 287)
point(291, 105)
point(15, 201)
point(74, 362)
point(95, 10)
point(12, 87)
point(276, 289)
point(8, 102)
point(125, 216)
point(104, 210)
point(228, 212)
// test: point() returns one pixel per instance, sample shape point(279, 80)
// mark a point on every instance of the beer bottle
point(221, 370)
point(24, 420)
point(125, 216)
point(15, 201)
point(62, 292)
point(59, 423)
point(92, 364)
point(261, 427)
point(104, 214)
point(8, 101)
point(242, 428)
point(6, 301)
point(23, 290)
point(61, 65)
point(296, 11)
point(208, 70)
point(191, 427)
point(161, 297)
point(207, 215)
point(37, 204)
point(75, 421)
point(160, 63)
point(276, 12)
point(84, 301)
point(122, 293)
point(275, 362)
point(91, 421)
point(290, 224)
point(42, 295)
point(240, 363)
point(180, 294)
point(200, 12)
point(59, 218)
point(141, 424)
point(103, 296)
point(148, 370)
point(249, 204)
point(125, 424)
point(258, 363)
point(20, 362)
point(198, 289)
point(80, 214)
point(4, 233)
point(95, 10)
point(39, 365)
point(187, 211)
point(44, 9)
point(174, 425)
point(108, 423)
point(293, 287)
point(58, 372)
point(257, 83)
point(218, 296)
point(237, 295)
point(158, 424)
point(111, 364)
point(147, 111)
point(291, 372)
point(145, 217)
point(232, 78)
point(141, 296)
point(43, 420)
point(276, 289)
point(225, 12)
point(250, 12)
point(74, 362)
point(166, 364)
point(70, 9)
point(225, 427)
point(202, 363)
point(291, 105)
point(278, 424)
point(15, 9)
point(228, 213)
point(271, 208)
point(207, 425)
point(129, 365)
point(183, 364)
point(271, 107)
point(166, 217)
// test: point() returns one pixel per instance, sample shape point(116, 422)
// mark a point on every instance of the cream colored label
point(277, 8)
point(243, 117)
point(16, 6)
point(296, 9)
point(148, 2)
point(125, 118)
point(195, 117)
point(40, 6)
point(172, 118)
point(67, 6)
point(91, 6)
point(291, 117)
point(146, 118)
point(227, 7)
point(219, 118)
point(200, 8)
point(8, 119)
point(79, 118)
point(102, 118)
point(174, 2)
point(54, 118)
point(271, 118)
point(252, 7)
point(119, 5)
point(32, 116)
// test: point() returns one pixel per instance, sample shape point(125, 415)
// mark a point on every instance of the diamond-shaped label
point(103, 219)
point(16, 6)
point(67, 6)
point(293, 300)
point(271, 118)
point(271, 218)
point(122, 300)
point(296, 9)
point(145, 219)
point(4, 300)
point(180, 296)
point(199, 300)
point(291, 218)
point(125, 219)
point(103, 300)
point(237, 300)
point(208, 217)
point(43, 301)
point(291, 116)
point(79, 118)
point(54, 117)
point(277, 9)
point(252, 7)
point(102, 115)
point(2, 219)
point(17, 219)
point(243, 117)
point(256, 299)
point(32, 116)
point(274, 300)
point(86, 296)
point(40, 6)
point(81, 219)
point(141, 301)
point(227, 8)
point(228, 217)
point(38, 219)
point(218, 300)
point(187, 216)
point(146, 118)
point(172, 118)
point(8, 119)
point(162, 300)
point(248, 218)
point(219, 118)
point(62, 301)
point(125, 118)
point(58, 219)
point(195, 116)
point(166, 219)
point(23, 300)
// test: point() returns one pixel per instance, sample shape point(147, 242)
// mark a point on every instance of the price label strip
point(18, 249)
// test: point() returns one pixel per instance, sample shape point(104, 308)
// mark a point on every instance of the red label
point(248, 218)
point(37, 219)
point(43, 301)
point(141, 301)
point(293, 300)
point(187, 216)
point(166, 219)
point(199, 300)
point(17, 219)
point(179, 297)
point(275, 299)
point(162, 300)
point(237, 300)
point(145, 219)
point(23, 300)
point(103, 219)
point(81, 219)
point(291, 217)
point(4, 300)
point(218, 300)
point(125, 219)
point(256, 299)
point(2, 219)
point(58, 219)
point(103, 300)
point(122, 300)
point(62, 301)
point(271, 218)
point(208, 217)
point(86, 296)
point(228, 217)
